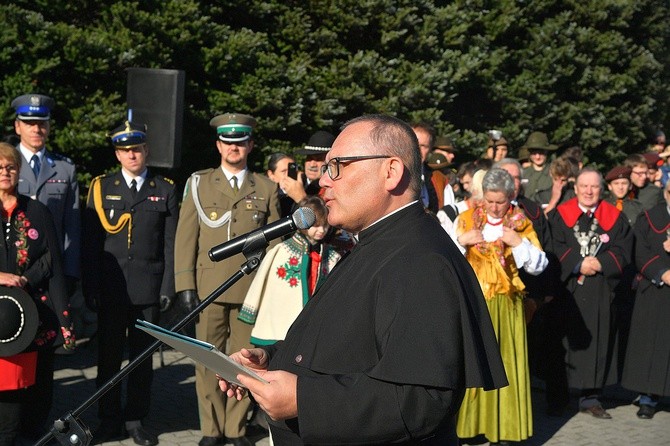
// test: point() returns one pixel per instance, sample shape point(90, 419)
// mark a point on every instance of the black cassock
point(387, 345)
point(647, 366)
point(590, 327)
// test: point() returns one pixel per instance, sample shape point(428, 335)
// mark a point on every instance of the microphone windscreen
point(304, 218)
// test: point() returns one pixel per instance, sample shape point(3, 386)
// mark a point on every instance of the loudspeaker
point(156, 98)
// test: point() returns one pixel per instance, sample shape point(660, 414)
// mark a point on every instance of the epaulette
point(200, 172)
point(59, 157)
point(166, 179)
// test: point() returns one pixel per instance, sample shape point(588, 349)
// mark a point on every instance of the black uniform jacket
point(141, 260)
point(387, 345)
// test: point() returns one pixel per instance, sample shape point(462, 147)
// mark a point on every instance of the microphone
point(303, 218)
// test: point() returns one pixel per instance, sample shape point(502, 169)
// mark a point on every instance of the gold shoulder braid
point(125, 218)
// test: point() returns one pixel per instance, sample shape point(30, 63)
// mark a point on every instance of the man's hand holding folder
point(277, 396)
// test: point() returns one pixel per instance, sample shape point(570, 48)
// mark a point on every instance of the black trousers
point(114, 320)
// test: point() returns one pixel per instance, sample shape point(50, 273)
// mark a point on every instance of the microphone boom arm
point(70, 430)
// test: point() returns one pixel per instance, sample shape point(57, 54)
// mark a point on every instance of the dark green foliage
point(588, 72)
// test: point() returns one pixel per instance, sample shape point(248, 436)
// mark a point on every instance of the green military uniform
point(213, 212)
point(536, 181)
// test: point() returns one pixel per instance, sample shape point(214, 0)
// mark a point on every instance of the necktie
point(235, 187)
point(133, 188)
point(619, 204)
point(35, 161)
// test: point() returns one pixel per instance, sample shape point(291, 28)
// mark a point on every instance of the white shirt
point(138, 179)
point(241, 175)
point(28, 154)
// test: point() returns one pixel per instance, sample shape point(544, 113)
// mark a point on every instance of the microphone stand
point(69, 430)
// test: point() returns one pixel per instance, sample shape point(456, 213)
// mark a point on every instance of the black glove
point(165, 303)
point(188, 300)
point(91, 302)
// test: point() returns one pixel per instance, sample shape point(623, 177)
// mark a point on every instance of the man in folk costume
point(130, 222)
point(220, 204)
point(593, 242)
point(646, 368)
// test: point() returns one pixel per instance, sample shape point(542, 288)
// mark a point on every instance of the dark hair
point(426, 128)
point(275, 158)
point(573, 152)
point(564, 167)
point(635, 159)
point(395, 137)
point(468, 168)
point(316, 203)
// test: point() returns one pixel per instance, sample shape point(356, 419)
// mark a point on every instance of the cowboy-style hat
point(539, 141)
point(18, 321)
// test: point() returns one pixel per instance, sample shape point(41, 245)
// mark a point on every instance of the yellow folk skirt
point(502, 414)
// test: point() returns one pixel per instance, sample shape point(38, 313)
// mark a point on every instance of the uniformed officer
point(220, 204)
point(129, 225)
point(49, 177)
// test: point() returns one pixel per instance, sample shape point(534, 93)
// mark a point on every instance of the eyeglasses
point(333, 165)
point(10, 168)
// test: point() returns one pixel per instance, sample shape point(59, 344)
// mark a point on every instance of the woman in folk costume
point(498, 240)
point(287, 278)
point(29, 260)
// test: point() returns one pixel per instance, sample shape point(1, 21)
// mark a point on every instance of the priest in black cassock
point(384, 350)
point(593, 242)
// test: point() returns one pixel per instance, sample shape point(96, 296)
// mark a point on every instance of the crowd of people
point(498, 268)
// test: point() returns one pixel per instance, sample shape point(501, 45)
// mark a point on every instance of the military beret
point(539, 141)
point(18, 321)
point(618, 172)
point(33, 107)
point(444, 143)
point(654, 161)
point(233, 127)
point(128, 135)
point(319, 143)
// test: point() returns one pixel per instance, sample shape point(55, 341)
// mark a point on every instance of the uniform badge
point(117, 182)
point(113, 197)
point(213, 215)
point(152, 184)
point(248, 205)
point(155, 198)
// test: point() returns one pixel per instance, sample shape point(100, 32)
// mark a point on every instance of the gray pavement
point(174, 415)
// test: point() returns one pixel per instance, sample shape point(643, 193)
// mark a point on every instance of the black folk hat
point(18, 321)
point(319, 143)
